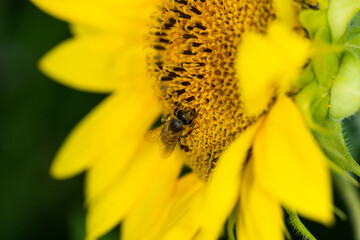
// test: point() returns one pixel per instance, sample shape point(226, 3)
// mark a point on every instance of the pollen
point(193, 46)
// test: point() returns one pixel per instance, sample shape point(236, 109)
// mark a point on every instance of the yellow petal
point(99, 63)
point(269, 64)
point(187, 227)
point(285, 12)
point(110, 14)
point(187, 189)
point(160, 210)
point(104, 129)
point(289, 164)
point(260, 216)
point(223, 189)
point(116, 160)
point(148, 176)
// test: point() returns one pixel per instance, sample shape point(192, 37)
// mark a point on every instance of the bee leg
point(177, 108)
point(196, 114)
point(188, 133)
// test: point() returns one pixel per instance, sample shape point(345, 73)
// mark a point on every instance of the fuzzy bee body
point(169, 133)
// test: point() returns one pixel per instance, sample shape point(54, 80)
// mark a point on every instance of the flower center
point(194, 44)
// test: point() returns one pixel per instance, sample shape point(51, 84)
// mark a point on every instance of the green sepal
point(345, 92)
point(336, 70)
point(306, 77)
point(295, 222)
point(313, 101)
point(313, 21)
point(333, 144)
point(326, 60)
point(326, 67)
point(340, 13)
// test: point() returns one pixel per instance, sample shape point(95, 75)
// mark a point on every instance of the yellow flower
point(230, 66)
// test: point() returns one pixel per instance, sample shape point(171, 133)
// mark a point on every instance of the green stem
point(351, 197)
point(295, 221)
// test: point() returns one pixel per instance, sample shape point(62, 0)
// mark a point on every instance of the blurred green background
point(36, 116)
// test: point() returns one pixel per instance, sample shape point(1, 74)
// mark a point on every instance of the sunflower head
point(226, 74)
point(194, 46)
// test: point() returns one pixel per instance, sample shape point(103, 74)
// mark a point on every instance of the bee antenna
point(196, 113)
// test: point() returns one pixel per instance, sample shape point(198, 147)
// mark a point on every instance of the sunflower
point(226, 76)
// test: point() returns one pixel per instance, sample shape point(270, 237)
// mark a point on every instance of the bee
point(169, 133)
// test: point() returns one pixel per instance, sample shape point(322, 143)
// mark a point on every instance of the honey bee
point(168, 134)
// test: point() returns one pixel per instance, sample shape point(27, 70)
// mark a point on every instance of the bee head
point(175, 125)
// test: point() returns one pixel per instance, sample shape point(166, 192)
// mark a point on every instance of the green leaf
point(345, 92)
point(333, 144)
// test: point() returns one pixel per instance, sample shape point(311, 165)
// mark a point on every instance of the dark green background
point(36, 116)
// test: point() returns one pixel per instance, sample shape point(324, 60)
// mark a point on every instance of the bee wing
point(167, 148)
point(154, 134)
